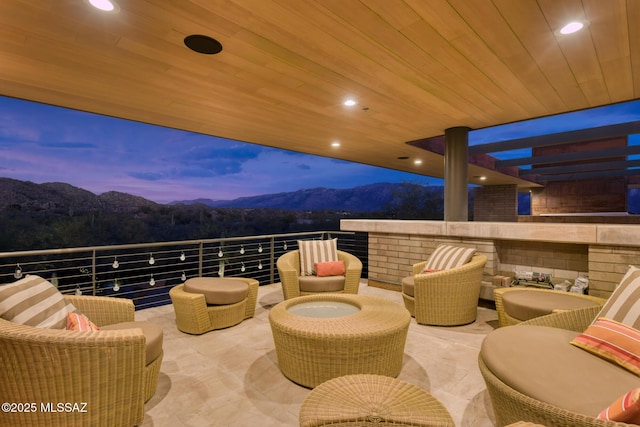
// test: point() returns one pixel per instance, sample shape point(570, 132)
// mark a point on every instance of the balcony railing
point(146, 272)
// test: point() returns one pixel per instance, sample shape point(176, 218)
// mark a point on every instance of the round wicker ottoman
point(371, 400)
point(367, 340)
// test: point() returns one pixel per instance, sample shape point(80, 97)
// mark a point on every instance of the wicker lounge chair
point(447, 297)
point(289, 270)
point(510, 405)
point(104, 369)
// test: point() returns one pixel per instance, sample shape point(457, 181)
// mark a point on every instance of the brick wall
point(607, 265)
point(587, 195)
point(495, 203)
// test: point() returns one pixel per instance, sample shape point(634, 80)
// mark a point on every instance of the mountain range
point(365, 198)
point(62, 197)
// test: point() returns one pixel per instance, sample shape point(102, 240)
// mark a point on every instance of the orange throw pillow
point(625, 409)
point(330, 268)
point(612, 341)
point(80, 322)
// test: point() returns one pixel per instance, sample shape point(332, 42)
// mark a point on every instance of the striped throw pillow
point(312, 251)
point(34, 301)
point(624, 303)
point(625, 409)
point(80, 322)
point(612, 341)
point(447, 256)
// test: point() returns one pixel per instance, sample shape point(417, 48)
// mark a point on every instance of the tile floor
point(230, 377)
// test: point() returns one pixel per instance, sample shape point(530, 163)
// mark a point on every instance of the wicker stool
point(371, 400)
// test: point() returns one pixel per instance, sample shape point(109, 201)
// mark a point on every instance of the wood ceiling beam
point(583, 167)
point(571, 157)
point(600, 132)
point(588, 175)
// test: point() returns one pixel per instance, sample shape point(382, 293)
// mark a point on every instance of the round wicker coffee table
point(356, 335)
point(371, 400)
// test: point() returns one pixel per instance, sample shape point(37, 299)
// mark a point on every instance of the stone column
point(456, 195)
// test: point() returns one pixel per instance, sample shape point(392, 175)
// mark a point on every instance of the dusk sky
point(42, 143)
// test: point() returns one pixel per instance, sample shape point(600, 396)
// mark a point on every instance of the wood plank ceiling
point(416, 67)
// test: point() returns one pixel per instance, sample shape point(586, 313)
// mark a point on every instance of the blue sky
point(42, 143)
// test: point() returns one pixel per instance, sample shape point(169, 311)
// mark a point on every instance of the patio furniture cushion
point(524, 304)
point(152, 334)
point(446, 257)
point(613, 341)
point(80, 322)
point(625, 409)
point(321, 284)
point(330, 268)
point(218, 291)
point(34, 301)
point(538, 362)
point(408, 285)
point(312, 251)
point(624, 303)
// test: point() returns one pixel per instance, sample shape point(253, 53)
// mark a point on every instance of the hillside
point(59, 197)
point(54, 215)
point(366, 198)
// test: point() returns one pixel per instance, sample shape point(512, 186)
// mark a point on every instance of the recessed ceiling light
point(104, 5)
point(417, 162)
point(350, 102)
point(480, 177)
point(572, 27)
point(203, 44)
point(335, 144)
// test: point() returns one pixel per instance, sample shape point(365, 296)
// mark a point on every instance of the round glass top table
point(323, 336)
point(323, 309)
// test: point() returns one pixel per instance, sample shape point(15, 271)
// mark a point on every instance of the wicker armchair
point(510, 405)
point(447, 297)
point(105, 369)
point(289, 270)
point(505, 320)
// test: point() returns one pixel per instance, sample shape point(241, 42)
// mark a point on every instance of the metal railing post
point(93, 272)
point(271, 263)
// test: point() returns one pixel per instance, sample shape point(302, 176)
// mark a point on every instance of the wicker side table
point(371, 400)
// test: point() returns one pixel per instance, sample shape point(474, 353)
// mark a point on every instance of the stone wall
point(607, 265)
point(601, 251)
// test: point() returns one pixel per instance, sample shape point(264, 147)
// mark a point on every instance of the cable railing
point(145, 272)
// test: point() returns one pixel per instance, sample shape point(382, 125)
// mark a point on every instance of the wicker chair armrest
point(418, 267)
point(353, 271)
point(104, 310)
point(51, 365)
point(288, 266)
point(574, 320)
